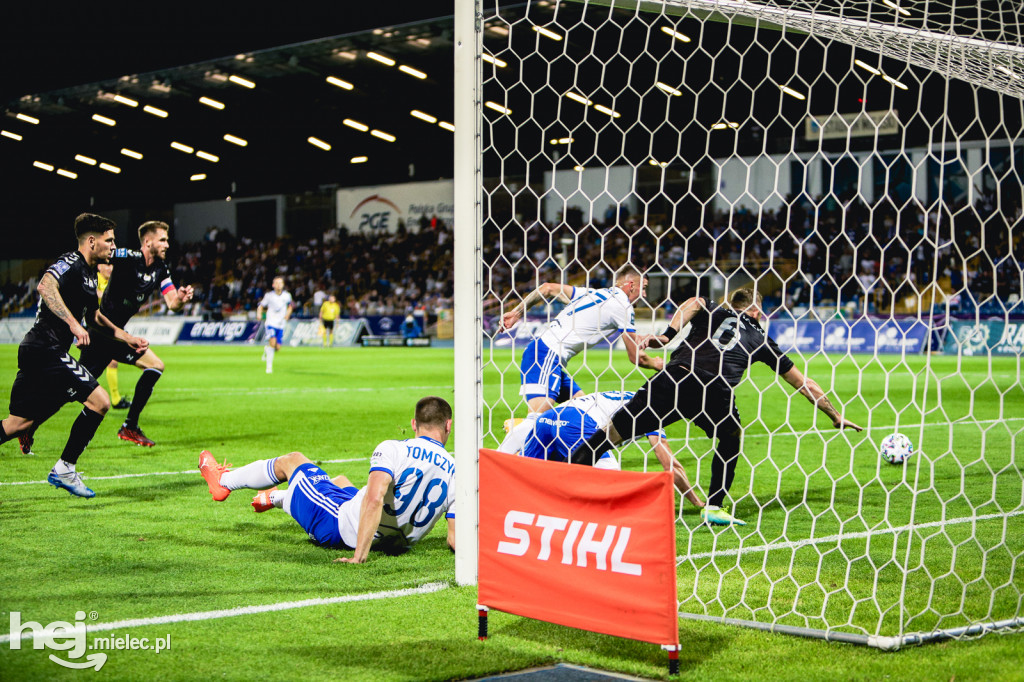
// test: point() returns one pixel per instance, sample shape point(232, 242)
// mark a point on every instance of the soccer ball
point(896, 448)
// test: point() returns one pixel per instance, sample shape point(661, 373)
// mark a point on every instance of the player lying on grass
point(556, 433)
point(410, 487)
point(698, 383)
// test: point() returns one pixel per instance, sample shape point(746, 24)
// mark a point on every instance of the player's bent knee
point(98, 401)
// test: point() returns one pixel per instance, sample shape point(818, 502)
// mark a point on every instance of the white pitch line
point(797, 544)
point(240, 611)
point(169, 473)
point(225, 390)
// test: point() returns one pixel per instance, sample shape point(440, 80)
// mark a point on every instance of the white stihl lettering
point(599, 540)
point(520, 534)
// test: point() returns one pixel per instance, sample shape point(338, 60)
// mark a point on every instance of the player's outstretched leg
point(723, 470)
point(213, 472)
point(64, 474)
point(152, 370)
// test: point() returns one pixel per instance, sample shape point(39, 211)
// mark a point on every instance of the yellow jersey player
point(117, 401)
point(329, 311)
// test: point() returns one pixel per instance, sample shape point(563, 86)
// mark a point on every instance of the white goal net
point(860, 164)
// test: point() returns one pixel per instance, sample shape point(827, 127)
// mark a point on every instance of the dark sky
point(50, 45)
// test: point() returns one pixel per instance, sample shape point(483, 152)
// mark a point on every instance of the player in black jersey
point(697, 384)
point(47, 376)
point(136, 275)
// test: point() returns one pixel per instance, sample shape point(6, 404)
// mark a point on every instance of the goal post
point(860, 164)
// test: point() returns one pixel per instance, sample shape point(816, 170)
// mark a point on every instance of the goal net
point(861, 165)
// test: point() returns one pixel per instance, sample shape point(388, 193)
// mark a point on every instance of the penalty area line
point(171, 473)
point(797, 544)
point(240, 611)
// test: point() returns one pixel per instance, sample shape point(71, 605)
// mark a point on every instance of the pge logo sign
point(376, 213)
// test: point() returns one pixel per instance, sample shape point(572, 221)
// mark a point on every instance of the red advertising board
point(587, 548)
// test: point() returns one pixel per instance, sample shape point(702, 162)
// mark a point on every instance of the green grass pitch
point(152, 544)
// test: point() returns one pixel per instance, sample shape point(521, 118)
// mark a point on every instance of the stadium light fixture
point(182, 147)
point(498, 29)
point(383, 136)
point(110, 169)
point(383, 59)
point(127, 101)
point(87, 160)
point(212, 103)
point(500, 63)
point(675, 34)
point(359, 159)
point(578, 169)
point(67, 173)
point(890, 3)
point(155, 111)
point(197, 177)
point(893, 81)
point(605, 110)
point(791, 92)
point(244, 82)
point(44, 166)
point(234, 139)
point(655, 162)
point(547, 33)
point(317, 142)
point(13, 136)
point(348, 55)
point(725, 125)
point(561, 140)
point(28, 119)
point(415, 73)
point(867, 67)
point(579, 98)
point(131, 153)
point(361, 127)
point(343, 84)
point(207, 156)
point(423, 116)
point(446, 125)
point(497, 107)
point(104, 120)
point(664, 87)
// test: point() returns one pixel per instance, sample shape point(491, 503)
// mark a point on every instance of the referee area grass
point(152, 544)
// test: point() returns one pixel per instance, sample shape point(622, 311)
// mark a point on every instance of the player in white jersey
point(554, 434)
point(591, 316)
point(278, 306)
point(411, 485)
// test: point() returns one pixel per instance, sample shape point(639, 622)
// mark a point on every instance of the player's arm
point(548, 290)
point(369, 516)
point(635, 343)
point(137, 343)
point(288, 311)
point(810, 389)
point(177, 298)
point(49, 294)
point(451, 534)
point(682, 317)
point(668, 462)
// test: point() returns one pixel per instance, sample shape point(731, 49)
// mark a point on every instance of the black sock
point(588, 453)
point(82, 432)
point(143, 390)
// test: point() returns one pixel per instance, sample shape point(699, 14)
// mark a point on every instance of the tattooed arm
point(49, 294)
point(810, 389)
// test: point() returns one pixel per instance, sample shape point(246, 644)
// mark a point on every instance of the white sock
point(277, 498)
point(62, 467)
point(257, 475)
point(516, 438)
point(270, 358)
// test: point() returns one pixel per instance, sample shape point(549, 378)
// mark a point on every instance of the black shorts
point(328, 324)
point(677, 393)
point(102, 349)
point(47, 379)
